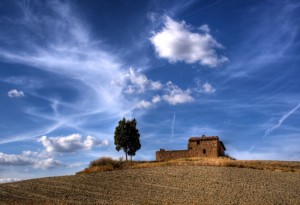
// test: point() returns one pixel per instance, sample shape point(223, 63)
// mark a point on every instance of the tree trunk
point(130, 158)
point(126, 156)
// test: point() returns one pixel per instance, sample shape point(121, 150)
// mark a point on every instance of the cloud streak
point(281, 120)
point(172, 126)
point(69, 52)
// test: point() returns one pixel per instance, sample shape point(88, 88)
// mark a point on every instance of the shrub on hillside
point(106, 162)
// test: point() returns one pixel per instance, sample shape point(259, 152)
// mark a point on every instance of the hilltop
point(183, 183)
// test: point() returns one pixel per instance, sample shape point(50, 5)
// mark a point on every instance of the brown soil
point(160, 185)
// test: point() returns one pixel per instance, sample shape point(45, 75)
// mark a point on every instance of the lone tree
point(127, 137)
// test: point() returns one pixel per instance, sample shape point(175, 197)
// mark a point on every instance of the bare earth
point(160, 185)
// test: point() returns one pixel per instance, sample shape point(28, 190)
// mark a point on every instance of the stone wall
point(197, 147)
point(204, 148)
point(174, 154)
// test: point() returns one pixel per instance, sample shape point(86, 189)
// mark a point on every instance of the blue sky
point(70, 70)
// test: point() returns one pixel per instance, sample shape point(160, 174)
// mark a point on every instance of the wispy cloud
point(23, 81)
point(268, 149)
point(264, 44)
point(281, 120)
point(136, 82)
point(208, 88)
point(143, 104)
point(156, 99)
point(73, 53)
point(70, 51)
point(201, 87)
point(175, 95)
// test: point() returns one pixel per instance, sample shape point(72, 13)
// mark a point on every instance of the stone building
point(197, 147)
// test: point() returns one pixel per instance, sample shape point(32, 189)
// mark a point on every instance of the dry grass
point(283, 166)
point(53, 202)
point(103, 164)
point(108, 164)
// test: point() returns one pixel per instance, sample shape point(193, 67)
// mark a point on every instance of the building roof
point(204, 138)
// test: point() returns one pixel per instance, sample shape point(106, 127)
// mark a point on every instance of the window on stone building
point(204, 151)
point(198, 142)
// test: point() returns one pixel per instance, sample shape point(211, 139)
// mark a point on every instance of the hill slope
point(160, 185)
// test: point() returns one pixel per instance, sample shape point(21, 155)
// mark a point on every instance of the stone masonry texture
point(197, 147)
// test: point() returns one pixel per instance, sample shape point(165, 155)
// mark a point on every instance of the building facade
point(197, 147)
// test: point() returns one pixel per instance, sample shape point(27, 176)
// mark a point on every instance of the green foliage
point(127, 137)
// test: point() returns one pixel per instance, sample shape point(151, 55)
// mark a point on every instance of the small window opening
point(198, 142)
point(204, 151)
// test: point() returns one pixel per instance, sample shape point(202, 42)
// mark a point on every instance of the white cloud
point(176, 42)
point(135, 82)
point(156, 99)
point(204, 28)
point(155, 85)
point(76, 164)
point(49, 163)
point(140, 80)
point(208, 88)
point(28, 158)
point(146, 104)
point(6, 180)
point(175, 95)
point(203, 87)
point(71, 143)
point(41, 155)
point(45, 158)
point(143, 104)
point(15, 93)
point(17, 160)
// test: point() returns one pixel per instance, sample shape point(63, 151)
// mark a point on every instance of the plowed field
point(160, 185)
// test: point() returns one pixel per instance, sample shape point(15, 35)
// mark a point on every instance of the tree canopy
point(127, 137)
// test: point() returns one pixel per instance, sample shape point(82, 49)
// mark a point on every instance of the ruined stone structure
point(197, 147)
